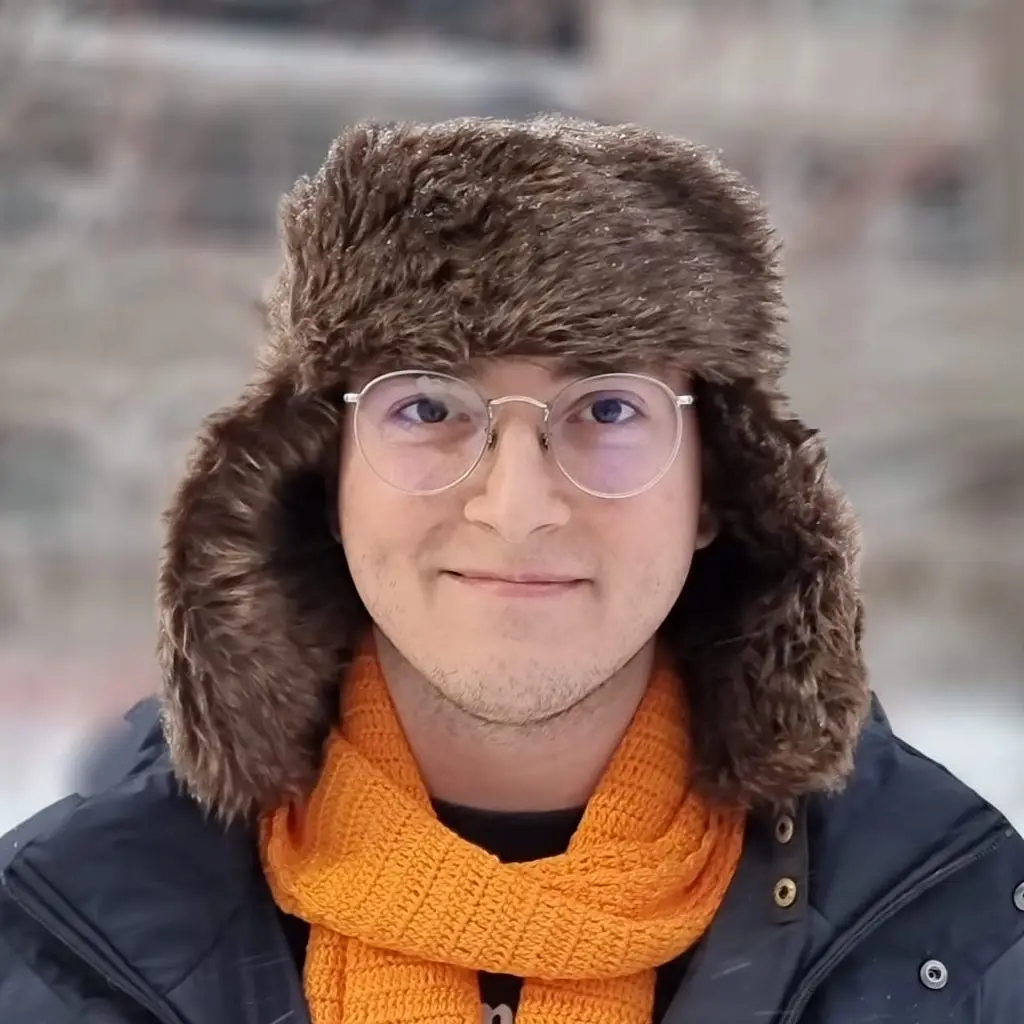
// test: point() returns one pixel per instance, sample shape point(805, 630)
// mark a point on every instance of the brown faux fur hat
point(430, 246)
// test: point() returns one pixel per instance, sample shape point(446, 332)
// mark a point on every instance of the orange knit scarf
point(403, 912)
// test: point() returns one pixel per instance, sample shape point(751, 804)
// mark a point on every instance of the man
point(511, 640)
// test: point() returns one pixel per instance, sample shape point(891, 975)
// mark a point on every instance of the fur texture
point(435, 245)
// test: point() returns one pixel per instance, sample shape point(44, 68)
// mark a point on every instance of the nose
point(520, 491)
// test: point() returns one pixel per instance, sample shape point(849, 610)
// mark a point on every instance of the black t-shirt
point(515, 837)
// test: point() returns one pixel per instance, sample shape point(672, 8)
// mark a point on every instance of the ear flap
point(769, 626)
point(257, 608)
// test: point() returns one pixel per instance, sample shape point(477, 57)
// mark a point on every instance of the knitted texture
point(403, 912)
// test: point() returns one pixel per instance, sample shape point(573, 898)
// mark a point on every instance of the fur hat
point(434, 245)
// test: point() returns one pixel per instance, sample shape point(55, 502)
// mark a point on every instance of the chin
point(517, 683)
point(515, 713)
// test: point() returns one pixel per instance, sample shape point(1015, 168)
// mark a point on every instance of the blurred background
point(144, 145)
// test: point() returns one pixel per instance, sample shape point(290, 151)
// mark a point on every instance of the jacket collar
point(751, 954)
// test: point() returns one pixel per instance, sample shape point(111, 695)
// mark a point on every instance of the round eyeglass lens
point(615, 435)
point(421, 432)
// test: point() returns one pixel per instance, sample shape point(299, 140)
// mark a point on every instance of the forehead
point(528, 374)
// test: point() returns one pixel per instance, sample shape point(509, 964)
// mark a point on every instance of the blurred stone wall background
point(144, 144)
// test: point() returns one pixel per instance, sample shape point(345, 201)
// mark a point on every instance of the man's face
point(451, 579)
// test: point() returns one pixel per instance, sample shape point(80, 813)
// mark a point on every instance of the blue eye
point(423, 410)
point(609, 411)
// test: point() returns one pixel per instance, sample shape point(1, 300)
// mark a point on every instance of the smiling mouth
point(517, 584)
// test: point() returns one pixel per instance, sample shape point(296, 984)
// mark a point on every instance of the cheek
point(385, 534)
point(373, 547)
point(651, 539)
point(365, 519)
point(663, 542)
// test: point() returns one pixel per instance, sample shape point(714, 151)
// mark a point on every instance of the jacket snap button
point(934, 975)
point(785, 892)
point(784, 829)
point(1018, 897)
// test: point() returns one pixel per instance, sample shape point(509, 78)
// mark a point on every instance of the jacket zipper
point(859, 932)
point(22, 893)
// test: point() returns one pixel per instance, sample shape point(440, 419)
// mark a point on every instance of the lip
point(517, 584)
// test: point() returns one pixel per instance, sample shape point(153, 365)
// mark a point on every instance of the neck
point(548, 766)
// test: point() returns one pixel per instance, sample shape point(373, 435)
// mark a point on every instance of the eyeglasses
point(613, 435)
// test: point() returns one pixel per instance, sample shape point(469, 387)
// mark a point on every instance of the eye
point(423, 410)
point(608, 410)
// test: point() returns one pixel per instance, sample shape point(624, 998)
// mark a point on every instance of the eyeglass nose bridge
point(492, 403)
